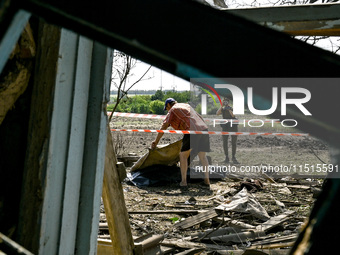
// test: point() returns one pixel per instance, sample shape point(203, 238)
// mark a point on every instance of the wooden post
point(114, 204)
point(39, 131)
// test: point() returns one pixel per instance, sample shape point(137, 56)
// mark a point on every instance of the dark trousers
point(225, 139)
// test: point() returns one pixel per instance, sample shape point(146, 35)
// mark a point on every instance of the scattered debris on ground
point(237, 215)
point(242, 213)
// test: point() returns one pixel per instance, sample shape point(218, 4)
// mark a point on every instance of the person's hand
point(153, 145)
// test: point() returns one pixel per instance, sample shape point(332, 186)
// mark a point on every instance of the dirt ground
point(251, 150)
point(287, 193)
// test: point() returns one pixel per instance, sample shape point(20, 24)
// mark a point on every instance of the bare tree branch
point(140, 78)
point(123, 66)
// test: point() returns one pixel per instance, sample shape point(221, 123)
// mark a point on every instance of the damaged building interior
point(56, 153)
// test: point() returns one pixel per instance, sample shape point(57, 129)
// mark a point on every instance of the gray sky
point(156, 78)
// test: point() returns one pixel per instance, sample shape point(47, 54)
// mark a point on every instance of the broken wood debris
point(121, 171)
point(10, 247)
point(215, 232)
point(232, 222)
point(253, 252)
point(274, 221)
point(273, 246)
point(277, 239)
point(144, 245)
point(128, 160)
point(197, 219)
point(166, 212)
point(238, 237)
point(148, 244)
point(191, 245)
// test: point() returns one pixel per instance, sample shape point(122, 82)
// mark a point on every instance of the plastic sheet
point(163, 155)
point(156, 175)
point(246, 203)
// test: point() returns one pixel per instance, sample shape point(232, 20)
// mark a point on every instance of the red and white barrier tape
point(155, 116)
point(205, 132)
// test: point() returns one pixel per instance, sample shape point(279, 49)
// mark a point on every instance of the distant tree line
point(149, 104)
point(139, 92)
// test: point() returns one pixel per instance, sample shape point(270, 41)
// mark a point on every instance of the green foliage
point(159, 95)
point(198, 108)
point(144, 108)
point(211, 109)
point(148, 104)
point(140, 104)
point(157, 107)
point(135, 104)
point(180, 97)
point(123, 106)
point(109, 107)
point(174, 219)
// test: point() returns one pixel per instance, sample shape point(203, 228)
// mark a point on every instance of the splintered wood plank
point(274, 221)
point(272, 246)
point(165, 212)
point(272, 240)
point(104, 247)
point(240, 237)
point(190, 245)
point(254, 252)
point(197, 219)
point(114, 204)
point(304, 187)
point(234, 223)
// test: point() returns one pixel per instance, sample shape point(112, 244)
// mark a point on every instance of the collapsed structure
point(54, 141)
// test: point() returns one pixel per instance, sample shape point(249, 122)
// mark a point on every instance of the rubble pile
point(237, 215)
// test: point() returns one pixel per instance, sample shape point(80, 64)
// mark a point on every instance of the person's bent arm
point(159, 135)
point(219, 111)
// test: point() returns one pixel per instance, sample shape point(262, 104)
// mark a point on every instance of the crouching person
point(182, 116)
